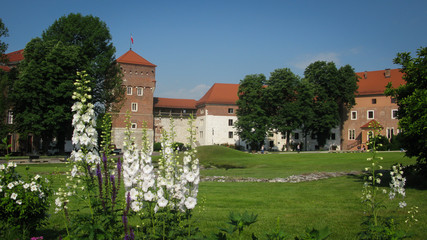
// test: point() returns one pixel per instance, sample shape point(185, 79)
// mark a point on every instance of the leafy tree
point(412, 101)
point(305, 104)
point(43, 92)
point(281, 95)
point(42, 95)
point(334, 96)
point(252, 122)
point(4, 32)
point(5, 80)
point(96, 53)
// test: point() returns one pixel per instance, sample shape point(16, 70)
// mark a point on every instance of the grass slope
point(222, 161)
point(333, 202)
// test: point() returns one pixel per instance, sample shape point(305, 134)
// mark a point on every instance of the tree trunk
point(288, 134)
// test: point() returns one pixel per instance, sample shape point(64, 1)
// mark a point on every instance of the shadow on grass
point(224, 166)
point(415, 178)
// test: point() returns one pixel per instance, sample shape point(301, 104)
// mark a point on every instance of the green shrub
point(23, 204)
point(396, 142)
point(157, 147)
point(382, 143)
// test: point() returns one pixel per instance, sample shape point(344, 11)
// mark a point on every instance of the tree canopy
point(412, 101)
point(4, 32)
point(5, 82)
point(284, 103)
point(42, 94)
point(252, 123)
point(96, 53)
point(334, 94)
point(281, 102)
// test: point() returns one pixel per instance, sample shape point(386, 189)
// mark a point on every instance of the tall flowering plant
point(373, 194)
point(23, 202)
point(162, 198)
point(191, 170)
point(92, 181)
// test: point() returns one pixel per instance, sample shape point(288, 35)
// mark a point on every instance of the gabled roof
point(221, 93)
point(174, 103)
point(133, 58)
point(374, 82)
point(372, 123)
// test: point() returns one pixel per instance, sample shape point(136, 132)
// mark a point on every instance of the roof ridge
point(132, 57)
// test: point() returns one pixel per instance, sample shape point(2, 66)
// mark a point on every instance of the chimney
point(365, 75)
point(387, 73)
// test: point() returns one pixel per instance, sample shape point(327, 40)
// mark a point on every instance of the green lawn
point(229, 162)
point(333, 202)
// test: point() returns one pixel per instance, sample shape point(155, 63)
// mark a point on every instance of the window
point(370, 114)
point(230, 122)
point(313, 136)
point(390, 133)
point(374, 101)
point(134, 107)
point(283, 136)
point(351, 134)
point(133, 125)
point(270, 134)
point(394, 114)
point(10, 117)
point(353, 115)
point(129, 90)
point(201, 134)
point(332, 136)
point(393, 100)
point(296, 136)
point(230, 134)
point(230, 110)
point(140, 91)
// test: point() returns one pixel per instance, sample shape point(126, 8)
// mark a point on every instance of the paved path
point(290, 179)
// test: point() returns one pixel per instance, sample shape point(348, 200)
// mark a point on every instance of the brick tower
point(139, 81)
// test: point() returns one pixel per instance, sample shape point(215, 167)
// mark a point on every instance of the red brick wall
point(382, 114)
point(136, 76)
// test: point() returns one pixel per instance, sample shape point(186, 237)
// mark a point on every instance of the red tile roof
point(220, 93)
point(374, 82)
point(5, 68)
point(16, 56)
point(133, 58)
point(174, 103)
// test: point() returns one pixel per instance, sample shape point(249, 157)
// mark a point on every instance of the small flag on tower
point(131, 39)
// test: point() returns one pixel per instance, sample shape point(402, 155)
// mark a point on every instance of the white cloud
point(186, 93)
point(306, 60)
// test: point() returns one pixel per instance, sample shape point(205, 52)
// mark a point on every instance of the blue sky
point(198, 43)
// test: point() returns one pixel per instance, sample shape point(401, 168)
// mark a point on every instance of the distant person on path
point(262, 149)
point(298, 148)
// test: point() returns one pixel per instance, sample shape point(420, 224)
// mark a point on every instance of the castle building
point(139, 81)
point(372, 105)
point(215, 112)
